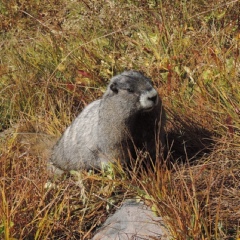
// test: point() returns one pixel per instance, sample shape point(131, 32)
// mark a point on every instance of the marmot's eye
point(130, 90)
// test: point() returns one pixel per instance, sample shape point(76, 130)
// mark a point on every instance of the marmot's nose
point(153, 99)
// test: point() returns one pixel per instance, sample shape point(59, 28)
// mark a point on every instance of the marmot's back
point(129, 115)
point(78, 143)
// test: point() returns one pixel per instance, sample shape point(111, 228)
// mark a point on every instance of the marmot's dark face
point(135, 90)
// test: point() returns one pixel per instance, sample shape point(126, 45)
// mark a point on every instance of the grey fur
point(129, 116)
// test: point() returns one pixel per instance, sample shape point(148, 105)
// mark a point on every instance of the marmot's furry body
point(129, 116)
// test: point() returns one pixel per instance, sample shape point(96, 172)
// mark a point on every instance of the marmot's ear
point(114, 87)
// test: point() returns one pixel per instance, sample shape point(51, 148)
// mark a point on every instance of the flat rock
point(135, 221)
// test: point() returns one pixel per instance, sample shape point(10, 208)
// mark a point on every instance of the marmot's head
point(133, 89)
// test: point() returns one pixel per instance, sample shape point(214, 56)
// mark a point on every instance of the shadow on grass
point(189, 141)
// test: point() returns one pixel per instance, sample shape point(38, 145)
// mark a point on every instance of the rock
point(135, 221)
point(36, 144)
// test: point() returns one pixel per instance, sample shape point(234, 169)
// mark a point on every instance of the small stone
point(135, 221)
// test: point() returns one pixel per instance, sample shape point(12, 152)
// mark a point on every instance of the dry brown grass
point(57, 56)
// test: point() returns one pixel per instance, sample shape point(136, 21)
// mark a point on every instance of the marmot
point(129, 116)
